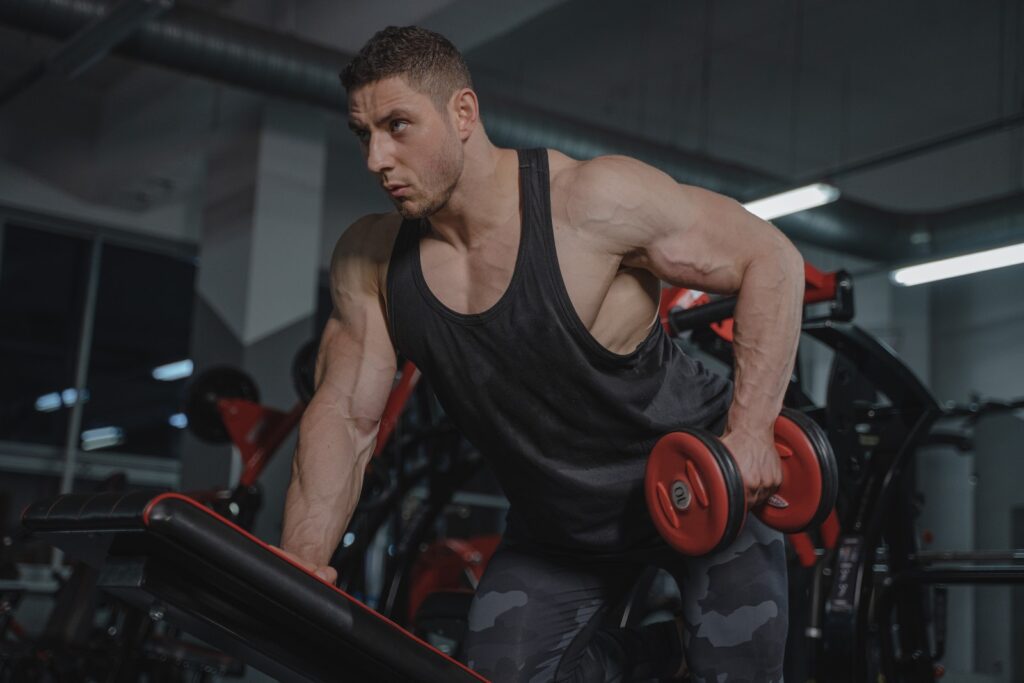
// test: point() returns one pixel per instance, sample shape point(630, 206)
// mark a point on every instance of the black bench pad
point(170, 555)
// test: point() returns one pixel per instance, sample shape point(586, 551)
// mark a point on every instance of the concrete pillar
point(256, 287)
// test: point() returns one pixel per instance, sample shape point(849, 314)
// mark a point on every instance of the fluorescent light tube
point(47, 403)
point(793, 201)
point(959, 265)
point(102, 437)
point(173, 371)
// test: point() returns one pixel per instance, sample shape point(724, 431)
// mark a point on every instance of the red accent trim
point(830, 530)
point(445, 565)
point(820, 286)
point(725, 329)
point(671, 297)
point(804, 548)
point(257, 431)
point(396, 402)
point(169, 496)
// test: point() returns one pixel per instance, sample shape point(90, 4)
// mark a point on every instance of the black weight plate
point(204, 419)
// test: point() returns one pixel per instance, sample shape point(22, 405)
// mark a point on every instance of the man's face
point(411, 147)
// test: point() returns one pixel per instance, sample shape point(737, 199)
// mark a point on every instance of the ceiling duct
point(204, 44)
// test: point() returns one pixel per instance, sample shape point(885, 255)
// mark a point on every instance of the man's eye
point(363, 135)
point(398, 126)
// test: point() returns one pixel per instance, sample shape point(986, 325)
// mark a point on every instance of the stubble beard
point(447, 171)
point(434, 204)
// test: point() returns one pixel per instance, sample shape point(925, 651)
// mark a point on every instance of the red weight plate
point(826, 459)
point(694, 492)
point(797, 503)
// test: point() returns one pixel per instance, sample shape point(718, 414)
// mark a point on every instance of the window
point(140, 353)
point(138, 336)
point(43, 279)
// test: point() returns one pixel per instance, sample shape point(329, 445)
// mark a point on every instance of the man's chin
point(409, 212)
point(412, 210)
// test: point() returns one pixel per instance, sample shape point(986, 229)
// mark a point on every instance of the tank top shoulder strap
point(542, 255)
point(401, 269)
point(536, 194)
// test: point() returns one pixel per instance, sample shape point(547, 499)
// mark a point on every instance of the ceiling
point(796, 89)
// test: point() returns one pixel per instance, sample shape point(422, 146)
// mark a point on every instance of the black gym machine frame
point(867, 614)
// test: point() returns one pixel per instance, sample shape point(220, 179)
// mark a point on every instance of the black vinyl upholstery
point(168, 554)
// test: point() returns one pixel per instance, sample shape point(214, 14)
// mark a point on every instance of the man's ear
point(465, 110)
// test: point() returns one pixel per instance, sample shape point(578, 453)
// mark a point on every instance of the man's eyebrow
point(357, 127)
point(393, 114)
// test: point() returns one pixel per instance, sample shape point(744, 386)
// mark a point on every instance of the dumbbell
point(696, 497)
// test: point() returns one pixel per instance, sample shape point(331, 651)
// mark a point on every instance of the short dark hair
point(426, 60)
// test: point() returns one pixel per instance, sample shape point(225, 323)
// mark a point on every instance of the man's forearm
point(766, 334)
point(327, 479)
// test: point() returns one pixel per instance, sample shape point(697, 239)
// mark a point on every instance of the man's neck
point(486, 197)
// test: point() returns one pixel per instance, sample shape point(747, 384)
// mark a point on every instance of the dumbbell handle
point(696, 495)
point(794, 505)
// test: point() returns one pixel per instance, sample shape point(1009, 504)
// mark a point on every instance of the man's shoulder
point(364, 249)
point(595, 183)
point(369, 234)
point(601, 197)
point(369, 239)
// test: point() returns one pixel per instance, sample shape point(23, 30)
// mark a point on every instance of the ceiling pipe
point(203, 44)
point(199, 43)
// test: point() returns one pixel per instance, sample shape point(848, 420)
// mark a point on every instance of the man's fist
point(758, 462)
point(324, 573)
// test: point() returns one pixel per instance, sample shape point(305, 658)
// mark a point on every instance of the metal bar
point(123, 460)
point(915, 150)
point(82, 368)
point(138, 469)
point(467, 498)
point(91, 43)
point(967, 556)
point(81, 375)
point(972, 574)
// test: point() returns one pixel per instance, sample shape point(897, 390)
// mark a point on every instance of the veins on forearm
point(765, 338)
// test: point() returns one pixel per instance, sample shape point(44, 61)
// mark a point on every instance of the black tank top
point(565, 423)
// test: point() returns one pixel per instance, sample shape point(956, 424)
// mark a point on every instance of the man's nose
point(379, 157)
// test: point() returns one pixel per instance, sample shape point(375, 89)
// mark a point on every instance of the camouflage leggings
point(538, 618)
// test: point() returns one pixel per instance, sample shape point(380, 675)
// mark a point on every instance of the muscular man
point(524, 285)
